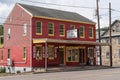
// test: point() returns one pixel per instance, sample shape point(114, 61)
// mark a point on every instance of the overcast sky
point(7, 5)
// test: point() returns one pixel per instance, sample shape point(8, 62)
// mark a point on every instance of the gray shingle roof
point(40, 11)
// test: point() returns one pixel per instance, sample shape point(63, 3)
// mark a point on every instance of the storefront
point(66, 52)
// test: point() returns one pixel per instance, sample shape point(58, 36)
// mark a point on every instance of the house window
point(8, 53)
point(107, 55)
point(8, 33)
point(72, 55)
point(118, 40)
point(90, 32)
point(38, 52)
point(107, 40)
point(24, 52)
point(38, 28)
point(62, 30)
point(117, 28)
point(51, 29)
point(82, 34)
point(10, 18)
point(51, 52)
point(119, 53)
point(24, 29)
point(1, 55)
point(22, 13)
point(72, 27)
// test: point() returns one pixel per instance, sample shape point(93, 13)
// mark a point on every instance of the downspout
point(31, 42)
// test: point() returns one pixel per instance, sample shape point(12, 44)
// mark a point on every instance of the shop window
point(51, 52)
point(38, 52)
point(91, 52)
point(82, 34)
point(90, 32)
point(24, 52)
point(72, 55)
point(38, 28)
point(62, 30)
point(24, 29)
point(50, 29)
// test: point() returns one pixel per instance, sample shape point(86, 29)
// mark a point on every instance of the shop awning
point(43, 40)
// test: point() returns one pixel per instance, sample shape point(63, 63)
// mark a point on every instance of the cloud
point(4, 11)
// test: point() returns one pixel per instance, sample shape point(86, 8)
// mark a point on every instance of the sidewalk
point(78, 68)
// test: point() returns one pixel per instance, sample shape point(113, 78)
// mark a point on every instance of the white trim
point(25, 10)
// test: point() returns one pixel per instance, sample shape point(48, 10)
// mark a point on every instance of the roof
point(110, 26)
point(43, 40)
point(53, 13)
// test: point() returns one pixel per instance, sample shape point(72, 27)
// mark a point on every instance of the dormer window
point(117, 28)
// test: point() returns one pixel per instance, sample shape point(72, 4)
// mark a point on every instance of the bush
point(18, 72)
point(2, 70)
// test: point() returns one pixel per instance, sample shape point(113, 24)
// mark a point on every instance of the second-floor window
point(38, 28)
point(82, 34)
point(62, 30)
point(8, 53)
point(24, 29)
point(51, 29)
point(90, 33)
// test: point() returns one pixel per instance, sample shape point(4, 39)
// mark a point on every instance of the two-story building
point(115, 31)
point(40, 37)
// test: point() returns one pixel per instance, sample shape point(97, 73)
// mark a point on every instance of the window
point(117, 28)
point(51, 52)
point(24, 29)
point(118, 40)
point(119, 53)
point(8, 33)
point(107, 55)
point(62, 30)
point(1, 55)
point(90, 32)
point(38, 52)
point(22, 13)
point(10, 18)
point(91, 52)
point(8, 53)
point(50, 29)
point(107, 40)
point(24, 52)
point(82, 34)
point(38, 28)
point(72, 27)
point(72, 54)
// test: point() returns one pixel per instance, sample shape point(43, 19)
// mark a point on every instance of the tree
point(1, 30)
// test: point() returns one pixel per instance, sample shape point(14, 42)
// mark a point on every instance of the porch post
point(46, 50)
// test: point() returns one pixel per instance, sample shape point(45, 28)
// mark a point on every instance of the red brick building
point(41, 37)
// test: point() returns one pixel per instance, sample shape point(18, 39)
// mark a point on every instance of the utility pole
point(98, 19)
point(110, 34)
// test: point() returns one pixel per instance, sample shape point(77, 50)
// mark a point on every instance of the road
point(103, 74)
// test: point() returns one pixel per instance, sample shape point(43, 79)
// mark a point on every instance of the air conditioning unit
point(9, 62)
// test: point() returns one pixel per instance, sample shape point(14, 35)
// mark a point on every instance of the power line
point(60, 4)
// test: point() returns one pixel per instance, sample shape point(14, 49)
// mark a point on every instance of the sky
point(86, 8)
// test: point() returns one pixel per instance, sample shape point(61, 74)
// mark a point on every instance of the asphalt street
point(102, 74)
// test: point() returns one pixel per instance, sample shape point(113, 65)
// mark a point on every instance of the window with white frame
point(25, 29)
point(8, 33)
point(24, 52)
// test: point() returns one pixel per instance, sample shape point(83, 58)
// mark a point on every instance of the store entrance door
point(82, 56)
point(61, 51)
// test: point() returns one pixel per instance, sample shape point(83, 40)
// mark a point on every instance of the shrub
point(18, 71)
point(2, 70)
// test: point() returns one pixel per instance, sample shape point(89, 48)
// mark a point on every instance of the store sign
point(72, 33)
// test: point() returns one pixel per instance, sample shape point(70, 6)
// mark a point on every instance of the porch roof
point(43, 40)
